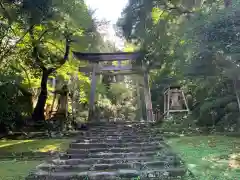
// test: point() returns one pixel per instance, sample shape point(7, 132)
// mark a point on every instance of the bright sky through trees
point(111, 11)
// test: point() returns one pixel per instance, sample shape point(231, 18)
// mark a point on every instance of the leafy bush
point(229, 122)
point(15, 103)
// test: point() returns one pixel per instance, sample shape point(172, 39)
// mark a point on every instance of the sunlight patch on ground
point(50, 148)
point(37, 145)
point(13, 169)
point(5, 143)
point(234, 161)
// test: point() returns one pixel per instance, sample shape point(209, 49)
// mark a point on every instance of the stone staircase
point(129, 151)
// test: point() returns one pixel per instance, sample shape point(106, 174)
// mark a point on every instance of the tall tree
point(47, 29)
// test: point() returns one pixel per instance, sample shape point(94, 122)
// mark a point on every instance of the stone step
point(103, 167)
point(111, 151)
point(120, 124)
point(119, 129)
point(112, 178)
point(118, 141)
point(116, 144)
point(124, 124)
point(116, 134)
point(137, 130)
point(133, 135)
point(161, 174)
point(116, 155)
point(128, 139)
point(85, 150)
point(170, 159)
point(126, 135)
point(127, 129)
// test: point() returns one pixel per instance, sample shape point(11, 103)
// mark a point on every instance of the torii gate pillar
point(148, 99)
point(92, 92)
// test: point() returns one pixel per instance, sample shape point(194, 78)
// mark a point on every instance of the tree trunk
point(38, 113)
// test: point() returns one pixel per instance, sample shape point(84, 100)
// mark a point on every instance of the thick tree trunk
point(38, 113)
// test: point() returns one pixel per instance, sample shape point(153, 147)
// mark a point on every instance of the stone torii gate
point(96, 68)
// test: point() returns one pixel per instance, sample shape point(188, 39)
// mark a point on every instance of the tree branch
point(175, 7)
point(26, 73)
point(181, 11)
point(35, 51)
point(58, 48)
point(4, 9)
point(66, 54)
point(41, 36)
point(10, 49)
point(8, 16)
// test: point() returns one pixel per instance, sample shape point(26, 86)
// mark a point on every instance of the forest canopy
point(193, 44)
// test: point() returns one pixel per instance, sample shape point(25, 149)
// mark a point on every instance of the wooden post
point(54, 83)
point(168, 101)
point(236, 88)
point(119, 64)
point(140, 113)
point(92, 93)
point(117, 77)
point(53, 103)
point(75, 95)
point(66, 111)
point(147, 94)
point(54, 96)
point(185, 101)
point(164, 102)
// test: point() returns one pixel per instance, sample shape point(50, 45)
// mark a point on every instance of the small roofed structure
point(95, 68)
point(175, 100)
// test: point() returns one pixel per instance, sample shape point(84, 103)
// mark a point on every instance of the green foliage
point(208, 157)
point(119, 92)
point(33, 40)
point(115, 102)
point(229, 122)
point(189, 44)
point(15, 102)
